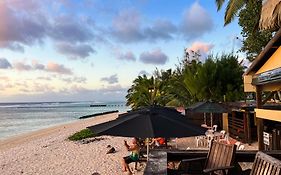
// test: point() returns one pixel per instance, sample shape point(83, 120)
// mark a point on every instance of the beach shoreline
point(48, 151)
point(26, 137)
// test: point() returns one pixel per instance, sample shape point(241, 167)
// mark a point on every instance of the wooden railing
point(241, 156)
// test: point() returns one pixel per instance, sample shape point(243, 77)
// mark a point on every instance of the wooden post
point(246, 128)
point(225, 121)
point(259, 120)
point(249, 130)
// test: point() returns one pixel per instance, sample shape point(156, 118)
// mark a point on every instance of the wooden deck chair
point(265, 164)
point(219, 160)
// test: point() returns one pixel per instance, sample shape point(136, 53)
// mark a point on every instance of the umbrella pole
point(211, 119)
point(205, 121)
point(147, 148)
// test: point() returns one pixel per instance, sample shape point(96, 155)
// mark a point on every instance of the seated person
point(133, 157)
point(159, 141)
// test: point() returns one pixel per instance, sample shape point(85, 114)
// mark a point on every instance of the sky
point(92, 50)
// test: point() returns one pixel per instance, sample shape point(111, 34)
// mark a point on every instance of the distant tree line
point(219, 78)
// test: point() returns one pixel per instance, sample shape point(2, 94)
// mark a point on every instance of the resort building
point(263, 78)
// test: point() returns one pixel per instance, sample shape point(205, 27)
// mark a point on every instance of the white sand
point(49, 151)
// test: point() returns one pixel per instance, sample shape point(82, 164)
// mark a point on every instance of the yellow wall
point(248, 87)
point(272, 63)
point(271, 87)
point(274, 115)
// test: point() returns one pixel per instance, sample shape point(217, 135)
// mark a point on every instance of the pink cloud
point(127, 56)
point(20, 66)
point(58, 68)
point(35, 65)
point(201, 47)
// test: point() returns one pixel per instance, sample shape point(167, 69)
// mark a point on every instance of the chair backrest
point(237, 144)
point(215, 127)
point(241, 147)
point(223, 132)
point(265, 164)
point(220, 155)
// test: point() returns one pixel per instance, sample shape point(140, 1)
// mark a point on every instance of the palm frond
point(219, 4)
point(232, 9)
point(270, 15)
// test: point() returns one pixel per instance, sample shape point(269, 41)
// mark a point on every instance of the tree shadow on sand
point(86, 141)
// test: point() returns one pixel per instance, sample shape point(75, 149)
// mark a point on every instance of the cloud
point(196, 22)
point(154, 57)
point(5, 64)
point(75, 80)
point(50, 67)
point(127, 28)
point(57, 68)
point(44, 78)
point(128, 56)
point(161, 29)
point(36, 65)
point(28, 23)
point(21, 66)
point(4, 78)
point(111, 79)
point(75, 51)
point(202, 47)
point(70, 29)
point(68, 93)
point(41, 88)
point(20, 27)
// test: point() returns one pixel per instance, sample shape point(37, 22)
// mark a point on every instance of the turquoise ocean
point(19, 118)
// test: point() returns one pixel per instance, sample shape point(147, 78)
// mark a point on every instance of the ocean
point(19, 118)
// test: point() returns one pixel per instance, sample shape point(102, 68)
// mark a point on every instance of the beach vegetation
point(83, 134)
point(254, 40)
point(218, 78)
point(248, 14)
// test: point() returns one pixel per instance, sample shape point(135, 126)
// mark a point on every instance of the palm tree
point(232, 9)
point(271, 15)
point(139, 95)
point(150, 91)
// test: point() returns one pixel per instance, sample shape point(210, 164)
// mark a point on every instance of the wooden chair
point(265, 164)
point(219, 160)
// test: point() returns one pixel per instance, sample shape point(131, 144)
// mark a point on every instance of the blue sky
point(68, 50)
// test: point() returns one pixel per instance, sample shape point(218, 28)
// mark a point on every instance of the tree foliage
point(219, 78)
point(232, 9)
point(254, 40)
point(248, 13)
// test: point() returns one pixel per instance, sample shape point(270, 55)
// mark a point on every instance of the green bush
point(83, 134)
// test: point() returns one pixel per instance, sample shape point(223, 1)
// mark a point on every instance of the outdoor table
point(205, 126)
point(157, 163)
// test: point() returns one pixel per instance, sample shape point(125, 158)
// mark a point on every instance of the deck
point(157, 164)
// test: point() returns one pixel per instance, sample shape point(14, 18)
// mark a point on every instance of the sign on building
point(266, 138)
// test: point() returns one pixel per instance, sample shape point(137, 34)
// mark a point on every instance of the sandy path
point(49, 152)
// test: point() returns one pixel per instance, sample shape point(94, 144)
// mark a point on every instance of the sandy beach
point(48, 151)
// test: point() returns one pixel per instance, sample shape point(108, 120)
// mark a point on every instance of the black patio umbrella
point(207, 107)
point(150, 122)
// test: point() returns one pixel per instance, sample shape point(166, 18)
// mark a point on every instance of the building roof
point(266, 53)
